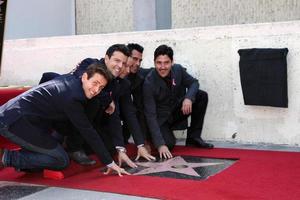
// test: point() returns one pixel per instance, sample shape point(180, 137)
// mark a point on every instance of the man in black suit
point(136, 75)
point(170, 96)
point(106, 117)
point(27, 121)
point(131, 124)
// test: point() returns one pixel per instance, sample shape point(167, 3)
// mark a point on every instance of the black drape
point(2, 25)
point(263, 74)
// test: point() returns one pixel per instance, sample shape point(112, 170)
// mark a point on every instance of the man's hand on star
point(122, 157)
point(164, 152)
point(142, 152)
point(117, 169)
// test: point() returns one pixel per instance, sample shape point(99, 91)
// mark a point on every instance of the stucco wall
point(209, 53)
point(103, 16)
point(108, 16)
point(193, 13)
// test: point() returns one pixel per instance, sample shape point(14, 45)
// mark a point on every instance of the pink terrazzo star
point(176, 164)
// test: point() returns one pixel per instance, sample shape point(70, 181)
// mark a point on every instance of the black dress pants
point(143, 124)
point(197, 118)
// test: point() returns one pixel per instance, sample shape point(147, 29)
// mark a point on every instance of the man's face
point(116, 62)
point(94, 85)
point(163, 65)
point(134, 61)
point(125, 71)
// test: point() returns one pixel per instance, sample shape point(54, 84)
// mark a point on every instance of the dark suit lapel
point(175, 76)
point(174, 80)
point(137, 82)
point(173, 87)
point(159, 81)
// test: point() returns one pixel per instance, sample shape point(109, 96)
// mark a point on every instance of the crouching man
point(27, 120)
point(170, 96)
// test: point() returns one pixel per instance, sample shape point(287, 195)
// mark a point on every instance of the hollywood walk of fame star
point(176, 164)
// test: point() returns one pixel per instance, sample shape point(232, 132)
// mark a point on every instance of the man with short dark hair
point(107, 117)
point(136, 76)
point(27, 121)
point(128, 111)
point(170, 96)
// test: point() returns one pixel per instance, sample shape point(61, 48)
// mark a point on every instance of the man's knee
point(201, 98)
point(202, 95)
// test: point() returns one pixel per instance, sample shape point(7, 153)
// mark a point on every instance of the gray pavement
point(20, 191)
point(71, 194)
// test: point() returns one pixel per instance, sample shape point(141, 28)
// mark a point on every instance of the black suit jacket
point(60, 99)
point(128, 112)
point(160, 100)
point(136, 87)
point(117, 90)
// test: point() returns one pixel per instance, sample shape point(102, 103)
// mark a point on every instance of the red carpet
point(7, 93)
point(257, 175)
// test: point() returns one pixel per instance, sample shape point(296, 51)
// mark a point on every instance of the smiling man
point(27, 121)
point(92, 86)
point(170, 96)
point(129, 112)
point(136, 75)
point(104, 111)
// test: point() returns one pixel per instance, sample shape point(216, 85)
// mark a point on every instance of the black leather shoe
point(81, 158)
point(198, 142)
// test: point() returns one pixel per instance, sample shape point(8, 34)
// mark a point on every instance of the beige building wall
point(109, 16)
point(193, 13)
point(208, 53)
point(103, 16)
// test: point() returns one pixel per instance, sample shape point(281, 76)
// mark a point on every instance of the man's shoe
point(198, 142)
point(81, 158)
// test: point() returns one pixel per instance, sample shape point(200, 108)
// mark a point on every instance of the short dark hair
point(163, 50)
point(98, 68)
point(117, 47)
point(135, 46)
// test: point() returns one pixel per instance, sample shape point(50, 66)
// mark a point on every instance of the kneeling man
point(27, 121)
point(170, 96)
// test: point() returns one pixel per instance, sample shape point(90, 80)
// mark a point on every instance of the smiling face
point(116, 62)
point(93, 85)
point(125, 71)
point(134, 61)
point(163, 65)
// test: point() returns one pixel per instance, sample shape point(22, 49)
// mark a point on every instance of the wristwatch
point(121, 149)
point(140, 145)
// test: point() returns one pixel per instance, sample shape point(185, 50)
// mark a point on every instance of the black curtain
point(2, 23)
point(263, 74)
